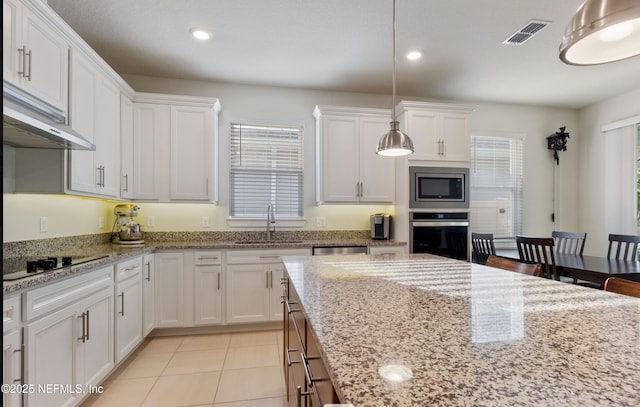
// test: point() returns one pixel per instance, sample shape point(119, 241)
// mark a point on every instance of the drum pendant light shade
point(394, 143)
point(602, 31)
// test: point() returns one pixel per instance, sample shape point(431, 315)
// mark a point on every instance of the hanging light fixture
point(395, 142)
point(602, 31)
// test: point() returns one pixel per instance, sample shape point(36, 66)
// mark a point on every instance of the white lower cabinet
point(207, 288)
point(148, 280)
point(168, 289)
point(128, 307)
point(11, 350)
point(68, 338)
point(253, 284)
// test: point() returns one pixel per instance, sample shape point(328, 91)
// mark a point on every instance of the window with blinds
point(496, 185)
point(266, 169)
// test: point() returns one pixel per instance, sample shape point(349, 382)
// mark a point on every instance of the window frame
point(235, 220)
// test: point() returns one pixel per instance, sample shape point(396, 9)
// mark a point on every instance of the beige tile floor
point(219, 370)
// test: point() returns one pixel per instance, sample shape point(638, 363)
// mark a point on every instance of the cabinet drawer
point(208, 257)
point(45, 299)
point(263, 256)
point(128, 268)
point(10, 313)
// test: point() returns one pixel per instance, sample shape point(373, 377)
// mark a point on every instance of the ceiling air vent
point(526, 32)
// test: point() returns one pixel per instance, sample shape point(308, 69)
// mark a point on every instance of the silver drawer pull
point(307, 369)
point(207, 257)
point(121, 303)
point(289, 361)
point(269, 257)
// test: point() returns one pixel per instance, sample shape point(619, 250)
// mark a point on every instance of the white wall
point(283, 105)
point(604, 162)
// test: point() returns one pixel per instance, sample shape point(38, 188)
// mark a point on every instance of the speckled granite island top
point(462, 334)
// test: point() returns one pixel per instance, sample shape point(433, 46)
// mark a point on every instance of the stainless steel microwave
point(438, 187)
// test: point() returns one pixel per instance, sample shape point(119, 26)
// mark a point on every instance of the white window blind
point(266, 169)
point(496, 185)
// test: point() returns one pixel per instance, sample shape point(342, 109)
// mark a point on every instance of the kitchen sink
point(268, 242)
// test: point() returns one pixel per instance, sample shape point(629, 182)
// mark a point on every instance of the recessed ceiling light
point(200, 34)
point(413, 55)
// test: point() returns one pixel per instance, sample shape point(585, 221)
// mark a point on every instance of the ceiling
point(346, 45)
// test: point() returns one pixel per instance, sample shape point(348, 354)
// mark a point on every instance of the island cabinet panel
point(306, 377)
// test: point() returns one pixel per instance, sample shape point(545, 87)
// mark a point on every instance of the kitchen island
point(423, 330)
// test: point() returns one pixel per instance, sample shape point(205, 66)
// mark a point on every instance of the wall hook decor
point(558, 142)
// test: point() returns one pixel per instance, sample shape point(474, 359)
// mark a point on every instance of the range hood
point(29, 123)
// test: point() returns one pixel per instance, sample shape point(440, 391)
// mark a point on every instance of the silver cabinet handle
point(289, 361)
point(148, 271)
point(444, 148)
point(267, 274)
point(218, 281)
point(21, 351)
point(83, 337)
point(270, 278)
point(22, 60)
point(103, 176)
point(121, 295)
point(99, 169)
point(87, 325)
point(207, 257)
point(307, 369)
point(269, 257)
point(126, 183)
point(29, 55)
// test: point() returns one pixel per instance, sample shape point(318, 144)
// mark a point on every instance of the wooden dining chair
point(514, 265)
point(538, 250)
point(622, 286)
point(571, 243)
point(627, 242)
point(482, 247)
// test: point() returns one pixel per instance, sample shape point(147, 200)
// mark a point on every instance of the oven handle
point(437, 224)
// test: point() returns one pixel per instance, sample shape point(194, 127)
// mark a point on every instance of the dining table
point(594, 269)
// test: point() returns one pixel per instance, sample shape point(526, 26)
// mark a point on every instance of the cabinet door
point(275, 304)
point(96, 359)
point(84, 173)
point(248, 294)
point(191, 152)
point(423, 128)
point(377, 173)
point(148, 280)
point(455, 132)
point(208, 295)
point(107, 130)
point(151, 152)
point(128, 316)
point(11, 367)
point(168, 288)
point(11, 58)
point(51, 344)
point(47, 63)
point(340, 166)
point(126, 147)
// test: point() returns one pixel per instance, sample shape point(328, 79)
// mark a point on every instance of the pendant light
point(602, 31)
point(394, 143)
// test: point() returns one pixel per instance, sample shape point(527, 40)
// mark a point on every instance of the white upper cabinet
point(35, 56)
point(126, 147)
point(440, 132)
point(348, 168)
point(175, 148)
point(95, 114)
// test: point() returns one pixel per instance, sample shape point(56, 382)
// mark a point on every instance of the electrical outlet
point(151, 221)
point(205, 221)
point(320, 222)
point(44, 224)
point(100, 222)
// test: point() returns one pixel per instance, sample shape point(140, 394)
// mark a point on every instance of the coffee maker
point(128, 232)
point(380, 226)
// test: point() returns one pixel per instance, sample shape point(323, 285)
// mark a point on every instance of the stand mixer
point(128, 232)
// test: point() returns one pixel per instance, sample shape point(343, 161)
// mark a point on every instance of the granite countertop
point(115, 253)
point(465, 334)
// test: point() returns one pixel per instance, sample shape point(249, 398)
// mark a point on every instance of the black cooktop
point(15, 269)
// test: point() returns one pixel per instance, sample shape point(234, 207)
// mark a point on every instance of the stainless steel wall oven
point(442, 233)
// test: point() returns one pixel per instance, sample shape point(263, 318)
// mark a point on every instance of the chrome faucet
point(271, 219)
